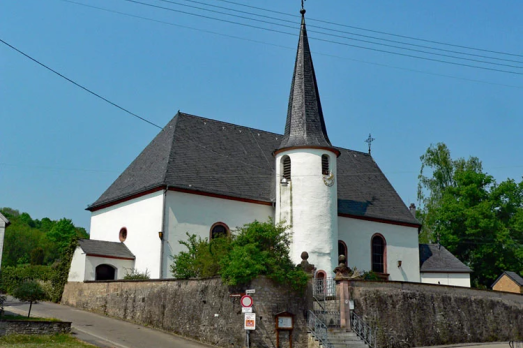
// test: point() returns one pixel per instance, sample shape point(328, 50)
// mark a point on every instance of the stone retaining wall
point(24, 327)
point(198, 309)
point(413, 315)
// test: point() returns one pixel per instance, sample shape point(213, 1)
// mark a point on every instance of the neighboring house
point(100, 260)
point(439, 266)
point(208, 177)
point(4, 222)
point(509, 282)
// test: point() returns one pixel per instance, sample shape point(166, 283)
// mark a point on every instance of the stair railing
point(362, 330)
point(318, 329)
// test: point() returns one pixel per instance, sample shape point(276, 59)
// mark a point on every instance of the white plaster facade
point(83, 267)
point(401, 245)
point(455, 279)
point(142, 217)
point(309, 204)
point(4, 222)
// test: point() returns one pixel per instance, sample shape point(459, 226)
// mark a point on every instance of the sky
point(61, 147)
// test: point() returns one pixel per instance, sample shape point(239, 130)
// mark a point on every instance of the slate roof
point(103, 248)
point(435, 258)
point(512, 275)
point(305, 124)
point(200, 154)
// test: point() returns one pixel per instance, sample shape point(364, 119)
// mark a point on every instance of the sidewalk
point(103, 331)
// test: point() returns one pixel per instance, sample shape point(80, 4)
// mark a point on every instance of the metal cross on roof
point(369, 141)
point(302, 7)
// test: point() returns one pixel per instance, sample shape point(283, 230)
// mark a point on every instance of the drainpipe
point(163, 230)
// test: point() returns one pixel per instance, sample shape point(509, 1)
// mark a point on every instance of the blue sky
point(60, 147)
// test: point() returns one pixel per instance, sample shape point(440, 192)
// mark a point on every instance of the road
point(103, 331)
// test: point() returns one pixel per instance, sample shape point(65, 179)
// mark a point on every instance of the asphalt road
point(103, 331)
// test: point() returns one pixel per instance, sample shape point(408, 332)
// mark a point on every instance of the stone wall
point(23, 327)
point(198, 309)
point(413, 315)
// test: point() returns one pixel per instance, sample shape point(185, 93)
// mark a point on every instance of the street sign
point(250, 321)
point(246, 309)
point(246, 301)
point(251, 291)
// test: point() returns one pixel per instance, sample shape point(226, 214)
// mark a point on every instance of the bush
point(12, 277)
point(29, 291)
point(134, 274)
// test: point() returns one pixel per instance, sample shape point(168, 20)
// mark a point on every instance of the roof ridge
point(171, 146)
point(229, 123)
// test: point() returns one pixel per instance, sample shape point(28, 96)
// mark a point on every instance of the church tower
point(306, 190)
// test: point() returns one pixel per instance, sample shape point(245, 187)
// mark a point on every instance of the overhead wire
point(374, 31)
point(329, 41)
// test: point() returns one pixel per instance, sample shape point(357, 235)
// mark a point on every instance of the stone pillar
point(342, 286)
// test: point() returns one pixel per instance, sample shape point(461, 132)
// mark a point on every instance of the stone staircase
point(339, 338)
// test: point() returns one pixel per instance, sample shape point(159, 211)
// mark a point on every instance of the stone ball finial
point(304, 256)
point(342, 259)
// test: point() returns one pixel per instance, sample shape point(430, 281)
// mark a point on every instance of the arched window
point(286, 164)
point(342, 249)
point(379, 255)
point(218, 230)
point(123, 234)
point(105, 272)
point(325, 170)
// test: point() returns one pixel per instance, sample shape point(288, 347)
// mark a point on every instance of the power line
point(344, 32)
point(377, 31)
point(330, 41)
point(290, 48)
point(79, 85)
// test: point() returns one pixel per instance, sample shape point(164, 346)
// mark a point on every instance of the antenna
point(369, 141)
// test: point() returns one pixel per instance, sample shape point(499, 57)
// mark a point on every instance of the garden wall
point(24, 327)
point(413, 315)
point(199, 309)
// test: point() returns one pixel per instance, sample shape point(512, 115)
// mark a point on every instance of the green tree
point(62, 234)
point(29, 291)
point(478, 220)
point(37, 256)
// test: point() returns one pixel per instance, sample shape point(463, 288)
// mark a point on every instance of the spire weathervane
point(302, 11)
point(369, 141)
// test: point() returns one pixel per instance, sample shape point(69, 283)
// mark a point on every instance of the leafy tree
point(29, 291)
point(37, 256)
point(62, 234)
point(478, 220)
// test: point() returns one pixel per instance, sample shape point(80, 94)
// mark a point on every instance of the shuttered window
point(325, 164)
point(286, 161)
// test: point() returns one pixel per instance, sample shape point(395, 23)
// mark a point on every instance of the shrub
point(29, 291)
point(134, 274)
point(12, 277)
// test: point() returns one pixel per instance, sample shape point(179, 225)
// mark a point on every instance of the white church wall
point(196, 214)
point(2, 235)
point(122, 266)
point(313, 206)
point(401, 241)
point(456, 279)
point(77, 269)
point(142, 217)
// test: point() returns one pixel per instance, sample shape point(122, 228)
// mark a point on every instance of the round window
point(123, 234)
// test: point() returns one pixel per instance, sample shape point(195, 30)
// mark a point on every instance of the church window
point(286, 164)
point(123, 234)
point(105, 272)
point(342, 249)
point(325, 164)
point(378, 253)
point(218, 230)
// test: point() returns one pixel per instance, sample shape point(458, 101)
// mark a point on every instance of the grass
point(42, 341)
point(24, 318)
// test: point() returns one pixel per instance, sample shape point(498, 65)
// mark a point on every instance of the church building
point(207, 177)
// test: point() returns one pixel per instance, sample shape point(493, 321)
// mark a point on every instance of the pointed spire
point(305, 124)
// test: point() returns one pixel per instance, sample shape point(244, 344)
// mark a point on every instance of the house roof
point(512, 275)
point(103, 248)
point(436, 258)
point(209, 156)
point(305, 124)
point(6, 221)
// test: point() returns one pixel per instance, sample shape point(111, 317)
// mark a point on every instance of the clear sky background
point(61, 147)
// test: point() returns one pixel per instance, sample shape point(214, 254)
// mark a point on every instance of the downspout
point(163, 230)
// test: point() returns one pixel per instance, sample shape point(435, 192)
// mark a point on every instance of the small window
point(123, 234)
point(342, 249)
point(378, 254)
point(286, 162)
point(218, 230)
point(325, 165)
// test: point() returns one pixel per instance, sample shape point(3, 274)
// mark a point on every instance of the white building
point(439, 266)
point(4, 222)
point(208, 177)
